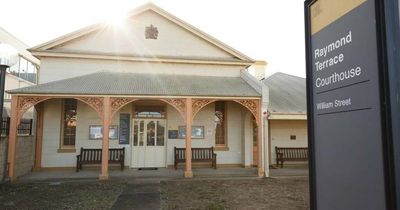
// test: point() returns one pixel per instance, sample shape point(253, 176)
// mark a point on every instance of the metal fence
point(24, 128)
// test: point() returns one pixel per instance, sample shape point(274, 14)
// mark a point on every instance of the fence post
point(30, 126)
point(8, 126)
point(3, 126)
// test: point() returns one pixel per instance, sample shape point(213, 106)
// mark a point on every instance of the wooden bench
point(93, 156)
point(198, 155)
point(290, 154)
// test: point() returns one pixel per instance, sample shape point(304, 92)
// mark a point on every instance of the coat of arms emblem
point(151, 32)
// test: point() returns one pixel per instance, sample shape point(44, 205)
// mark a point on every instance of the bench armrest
point(78, 157)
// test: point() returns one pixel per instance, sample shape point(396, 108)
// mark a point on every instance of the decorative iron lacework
point(118, 103)
point(95, 102)
point(179, 104)
point(198, 104)
point(26, 102)
point(253, 105)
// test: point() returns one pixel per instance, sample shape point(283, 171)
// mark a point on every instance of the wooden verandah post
point(188, 119)
point(106, 124)
point(260, 166)
point(12, 139)
point(39, 136)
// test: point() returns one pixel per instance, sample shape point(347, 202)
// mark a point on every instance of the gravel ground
point(64, 195)
point(276, 194)
point(284, 193)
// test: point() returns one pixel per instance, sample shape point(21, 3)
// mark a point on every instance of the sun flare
point(116, 17)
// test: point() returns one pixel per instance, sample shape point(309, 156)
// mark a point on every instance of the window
point(292, 137)
point(220, 123)
point(69, 123)
point(149, 112)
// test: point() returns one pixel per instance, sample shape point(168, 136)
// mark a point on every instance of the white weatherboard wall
point(87, 116)
point(53, 69)
point(234, 117)
point(280, 135)
point(51, 136)
point(247, 138)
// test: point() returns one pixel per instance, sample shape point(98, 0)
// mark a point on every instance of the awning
point(118, 83)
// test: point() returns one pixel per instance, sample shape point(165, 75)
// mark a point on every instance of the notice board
point(344, 105)
point(124, 128)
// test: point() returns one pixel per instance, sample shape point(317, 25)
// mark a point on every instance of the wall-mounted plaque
point(124, 128)
point(173, 134)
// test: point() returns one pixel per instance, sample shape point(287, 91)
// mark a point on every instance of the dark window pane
point(255, 132)
point(151, 133)
point(141, 133)
point(220, 123)
point(135, 133)
point(69, 122)
point(160, 133)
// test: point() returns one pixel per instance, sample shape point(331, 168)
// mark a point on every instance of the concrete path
point(289, 171)
point(140, 194)
point(161, 173)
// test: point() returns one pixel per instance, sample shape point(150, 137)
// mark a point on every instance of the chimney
point(259, 69)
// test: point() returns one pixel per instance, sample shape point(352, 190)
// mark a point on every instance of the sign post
point(347, 95)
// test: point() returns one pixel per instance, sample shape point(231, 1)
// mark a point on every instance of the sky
point(270, 30)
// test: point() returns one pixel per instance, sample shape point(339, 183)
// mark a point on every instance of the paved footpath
point(139, 195)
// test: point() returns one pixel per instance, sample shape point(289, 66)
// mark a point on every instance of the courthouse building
point(139, 86)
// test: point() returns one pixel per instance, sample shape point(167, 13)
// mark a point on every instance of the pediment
point(148, 32)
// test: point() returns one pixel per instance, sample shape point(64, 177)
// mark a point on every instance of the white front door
point(148, 145)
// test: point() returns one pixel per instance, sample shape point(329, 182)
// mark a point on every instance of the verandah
point(106, 107)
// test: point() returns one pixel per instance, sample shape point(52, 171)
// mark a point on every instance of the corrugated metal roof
point(116, 83)
point(287, 93)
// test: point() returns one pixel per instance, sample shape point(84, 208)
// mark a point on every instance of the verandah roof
point(118, 83)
